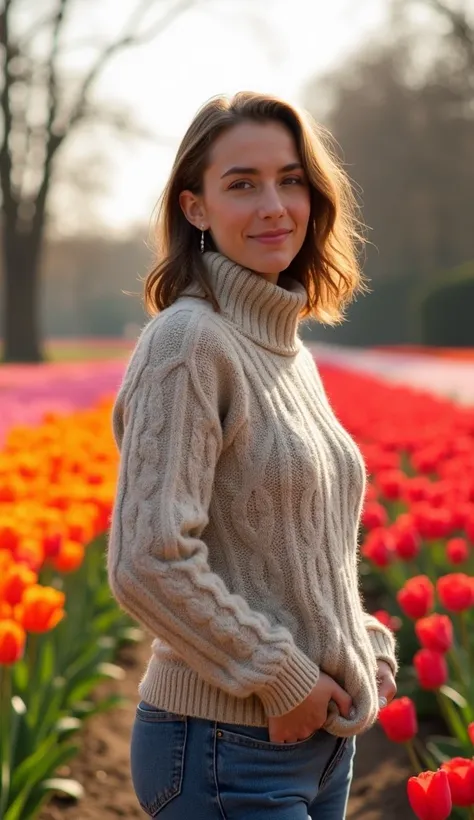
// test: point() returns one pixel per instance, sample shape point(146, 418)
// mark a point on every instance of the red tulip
point(460, 771)
point(431, 668)
point(390, 483)
point(416, 489)
point(12, 641)
point(374, 515)
point(406, 542)
point(435, 632)
point(456, 591)
point(371, 493)
point(470, 730)
point(461, 512)
point(416, 597)
point(390, 621)
point(469, 524)
point(378, 547)
point(398, 720)
point(432, 522)
point(457, 550)
point(430, 796)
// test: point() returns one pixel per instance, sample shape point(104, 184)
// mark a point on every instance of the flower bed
point(418, 534)
point(60, 628)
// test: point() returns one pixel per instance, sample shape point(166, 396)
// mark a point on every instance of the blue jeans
point(186, 768)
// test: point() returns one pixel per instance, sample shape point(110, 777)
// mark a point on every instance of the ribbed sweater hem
point(180, 690)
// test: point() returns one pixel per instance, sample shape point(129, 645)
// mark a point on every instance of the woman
point(234, 531)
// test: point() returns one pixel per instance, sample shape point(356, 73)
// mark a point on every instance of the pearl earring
point(202, 238)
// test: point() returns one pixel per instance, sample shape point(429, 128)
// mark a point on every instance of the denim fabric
point(186, 768)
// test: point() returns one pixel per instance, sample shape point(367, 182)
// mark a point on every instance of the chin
point(270, 262)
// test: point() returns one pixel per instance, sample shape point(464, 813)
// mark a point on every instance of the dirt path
point(378, 790)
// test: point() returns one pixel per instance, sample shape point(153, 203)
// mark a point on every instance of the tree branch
point(28, 35)
point(126, 41)
point(53, 140)
point(462, 30)
point(123, 121)
point(10, 206)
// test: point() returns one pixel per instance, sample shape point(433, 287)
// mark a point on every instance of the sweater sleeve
point(382, 640)
point(168, 425)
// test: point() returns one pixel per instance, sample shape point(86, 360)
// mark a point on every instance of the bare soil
point(102, 767)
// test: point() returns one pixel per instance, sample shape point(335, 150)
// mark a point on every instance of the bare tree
point(457, 33)
point(461, 23)
point(41, 108)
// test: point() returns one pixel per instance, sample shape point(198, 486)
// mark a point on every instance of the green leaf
point(444, 748)
point(27, 806)
point(20, 676)
point(82, 689)
point(46, 663)
point(67, 725)
point(455, 722)
point(112, 702)
point(41, 763)
point(453, 695)
point(72, 788)
point(132, 634)
point(18, 711)
point(111, 670)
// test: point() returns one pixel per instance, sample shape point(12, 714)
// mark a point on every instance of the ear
point(193, 208)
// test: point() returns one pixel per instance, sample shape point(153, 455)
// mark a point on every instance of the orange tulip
point(30, 551)
point(12, 641)
point(69, 557)
point(18, 578)
point(41, 608)
point(6, 611)
point(8, 535)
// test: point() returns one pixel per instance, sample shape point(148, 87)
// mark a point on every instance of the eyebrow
point(239, 169)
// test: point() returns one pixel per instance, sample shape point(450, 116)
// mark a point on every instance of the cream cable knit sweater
point(234, 529)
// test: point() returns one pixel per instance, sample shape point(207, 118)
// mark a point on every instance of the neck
point(264, 311)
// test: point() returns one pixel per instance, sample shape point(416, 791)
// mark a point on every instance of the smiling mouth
point(272, 238)
point(271, 234)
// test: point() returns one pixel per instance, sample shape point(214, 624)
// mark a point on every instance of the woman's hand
point(386, 683)
point(311, 714)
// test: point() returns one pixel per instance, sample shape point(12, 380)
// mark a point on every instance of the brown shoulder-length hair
point(327, 264)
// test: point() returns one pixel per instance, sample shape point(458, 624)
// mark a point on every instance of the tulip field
point(61, 632)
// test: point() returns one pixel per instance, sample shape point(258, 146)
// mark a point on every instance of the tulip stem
point(445, 712)
point(32, 652)
point(457, 665)
point(413, 757)
point(5, 717)
point(464, 633)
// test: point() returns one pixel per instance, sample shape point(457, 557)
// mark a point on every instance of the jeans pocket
point(257, 737)
point(158, 746)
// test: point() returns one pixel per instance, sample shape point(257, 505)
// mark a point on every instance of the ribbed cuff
point(383, 645)
point(293, 684)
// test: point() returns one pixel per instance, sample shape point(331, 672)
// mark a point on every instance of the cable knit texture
point(234, 529)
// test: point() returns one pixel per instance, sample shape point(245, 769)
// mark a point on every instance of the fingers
point(387, 690)
point(343, 701)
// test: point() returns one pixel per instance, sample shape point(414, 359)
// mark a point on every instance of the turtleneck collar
point(266, 313)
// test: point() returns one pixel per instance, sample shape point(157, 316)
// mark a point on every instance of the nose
point(270, 205)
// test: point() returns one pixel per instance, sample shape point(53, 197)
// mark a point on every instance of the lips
point(271, 234)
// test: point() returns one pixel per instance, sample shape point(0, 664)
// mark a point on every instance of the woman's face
point(256, 197)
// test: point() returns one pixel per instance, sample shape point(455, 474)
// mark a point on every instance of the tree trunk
point(21, 332)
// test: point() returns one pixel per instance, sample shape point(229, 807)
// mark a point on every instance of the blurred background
point(96, 97)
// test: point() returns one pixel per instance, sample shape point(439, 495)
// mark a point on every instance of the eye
point(293, 180)
point(238, 186)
